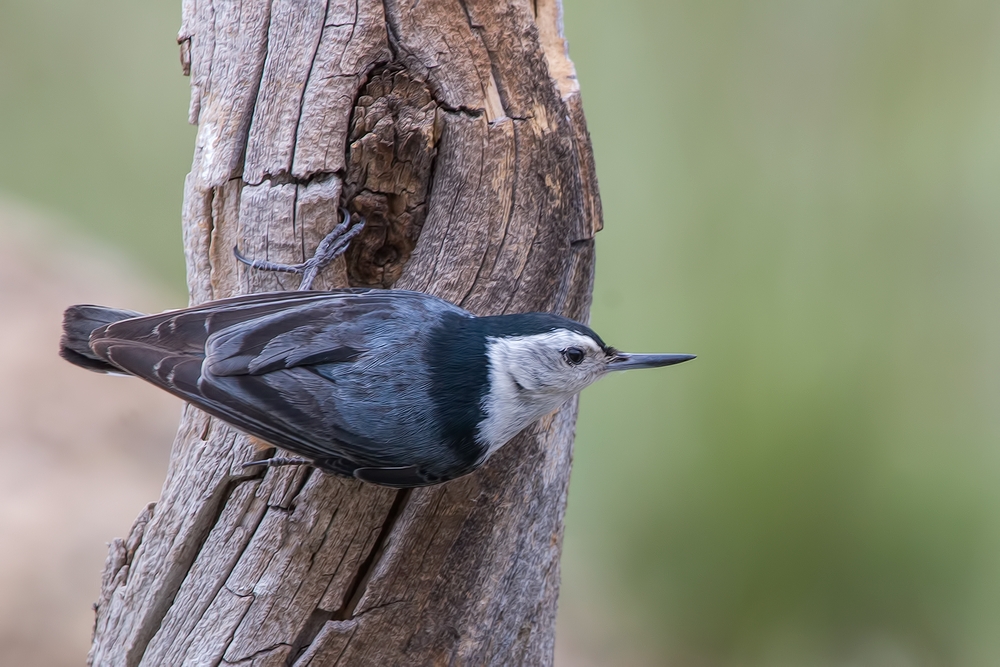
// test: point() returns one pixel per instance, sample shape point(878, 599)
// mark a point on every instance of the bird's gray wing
point(336, 329)
point(187, 330)
point(281, 366)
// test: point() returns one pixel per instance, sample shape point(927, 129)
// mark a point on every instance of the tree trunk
point(455, 127)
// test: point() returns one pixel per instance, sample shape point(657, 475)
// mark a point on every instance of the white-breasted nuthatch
point(392, 387)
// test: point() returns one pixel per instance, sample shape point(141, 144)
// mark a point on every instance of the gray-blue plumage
point(393, 387)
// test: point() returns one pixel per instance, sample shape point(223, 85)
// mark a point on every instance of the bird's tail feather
point(81, 321)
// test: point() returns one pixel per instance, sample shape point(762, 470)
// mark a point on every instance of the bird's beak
point(625, 362)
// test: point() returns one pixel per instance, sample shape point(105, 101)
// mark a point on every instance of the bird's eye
point(574, 355)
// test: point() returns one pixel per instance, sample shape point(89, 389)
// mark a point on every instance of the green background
point(805, 194)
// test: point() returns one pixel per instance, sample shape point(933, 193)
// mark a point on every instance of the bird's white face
point(559, 362)
point(531, 376)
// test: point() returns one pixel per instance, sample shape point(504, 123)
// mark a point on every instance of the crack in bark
point(464, 110)
point(367, 568)
point(305, 655)
point(285, 177)
point(210, 233)
point(384, 605)
point(310, 630)
point(249, 660)
point(244, 132)
point(527, 261)
point(293, 492)
point(305, 85)
point(490, 55)
point(319, 617)
point(151, 625)
point(506, 224)
point(391, 31)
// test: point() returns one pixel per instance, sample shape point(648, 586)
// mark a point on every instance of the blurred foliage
point(803, 193)
point(93, 127)
point(806, 194)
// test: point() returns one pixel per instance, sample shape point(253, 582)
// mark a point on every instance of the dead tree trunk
point(455, 128)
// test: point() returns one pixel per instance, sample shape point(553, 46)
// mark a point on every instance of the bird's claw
point(330, 248)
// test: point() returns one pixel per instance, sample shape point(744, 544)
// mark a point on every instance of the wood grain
point(456, 128)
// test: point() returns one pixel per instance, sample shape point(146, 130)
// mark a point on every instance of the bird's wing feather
point(188, 329)
point(289, 408)
point(328, 331)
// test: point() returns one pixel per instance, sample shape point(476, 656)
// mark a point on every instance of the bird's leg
point(329, 249)
point(276, 461)
point(262, 448)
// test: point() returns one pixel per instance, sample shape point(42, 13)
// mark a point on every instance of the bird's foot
point(329, 249)
point(277, 461)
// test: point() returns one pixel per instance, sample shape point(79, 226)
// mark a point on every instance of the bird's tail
point(81, 321)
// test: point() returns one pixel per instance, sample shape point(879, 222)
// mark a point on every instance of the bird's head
point(538, 361)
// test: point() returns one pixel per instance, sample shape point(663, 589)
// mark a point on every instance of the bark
point(455, 127)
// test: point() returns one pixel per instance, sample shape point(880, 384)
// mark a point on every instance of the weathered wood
point(456, 129)
point(395, 116)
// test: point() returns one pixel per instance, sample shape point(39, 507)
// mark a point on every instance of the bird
point(392, 387)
